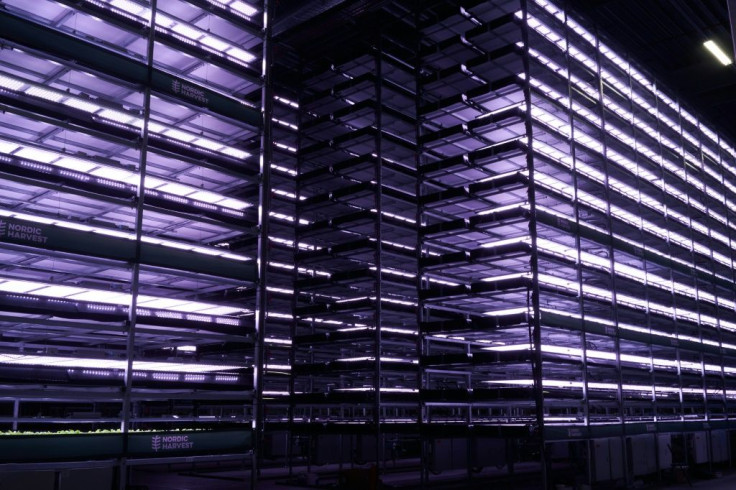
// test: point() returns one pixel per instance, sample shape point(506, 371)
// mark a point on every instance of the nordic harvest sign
point(195, 442)
point(164, 443)
point(53, 447)
point(66, 239)
point(22, 233)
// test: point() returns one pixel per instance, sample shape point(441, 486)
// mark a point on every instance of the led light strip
point(395, 360)
point(576, 289)
point(126, 235)
point(382, 390)
point(121, 364)
point(624, 88)
point(598, 386)
point(117, 117)
point(74, 293)
point(236, 6)
point(688, 178)
point(611, 328)
point(62, 160)
point(632, 302)
point(180, 29)
point(648, 249)
point(645, 278)
point(621, 214)
point(629, 192)
point(612, 356)
point(673, 338)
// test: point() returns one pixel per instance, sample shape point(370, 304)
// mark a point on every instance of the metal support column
point(377, 375)
point(611, 259)
point(732, 21)
point(16, 413)
point(578, 247)
point(135, 279)
point(264, 206)
point(535, 327)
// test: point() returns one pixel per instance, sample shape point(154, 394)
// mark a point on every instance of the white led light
point(75, 362)
point(636, 76)
point(11, 83)
point(18, 286)
point(120, 175)
point(240, 54)
point(118, 116)
point(187, 31)
point(382, 390)
point(132, 7)
point(176, 189)
point(179, 135)
point(229, 202)
point(100, 296)
point(37, 154)
point(113, 174)
point(56, 291)
point(160, 303)
point(286, 101)
point(44, 93)
point(243, 8)
point(81, 104)
point(75, 164)
point(233, 152)
point(716, 51)
point(214, 43)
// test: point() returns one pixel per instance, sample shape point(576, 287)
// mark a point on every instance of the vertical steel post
point(645, 268)
point(732, 259)
point(378, 317)
point(421, 314)
point(16, 413)
point(732, 22)
point(611, 255)
point(578, 241)
point(264, 206)
point(136, 265)
point(295, 297)
point(534, 292)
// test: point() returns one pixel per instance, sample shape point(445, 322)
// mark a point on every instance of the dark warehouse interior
point(363, 244)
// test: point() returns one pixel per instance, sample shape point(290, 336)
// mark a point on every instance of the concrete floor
point(172, 479)
point(727, 482)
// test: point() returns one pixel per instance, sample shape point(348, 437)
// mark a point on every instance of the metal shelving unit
point(128, 211)
point(572, 237)
point(355, 369)
point(452, 240)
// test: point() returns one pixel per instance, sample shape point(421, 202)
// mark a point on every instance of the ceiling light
point(717, 52)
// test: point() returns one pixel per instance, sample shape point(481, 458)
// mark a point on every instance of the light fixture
point(119, 364)
point(716, 51)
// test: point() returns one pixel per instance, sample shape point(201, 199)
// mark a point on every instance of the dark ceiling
point(665, 36)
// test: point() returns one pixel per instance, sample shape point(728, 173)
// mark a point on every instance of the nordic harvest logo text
point(22, 232)
point(189, 91)
point(159, 443)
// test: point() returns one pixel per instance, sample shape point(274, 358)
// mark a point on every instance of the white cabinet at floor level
point(643, 450)
point(608, 461)
point(664, 442)
point(700, 448)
